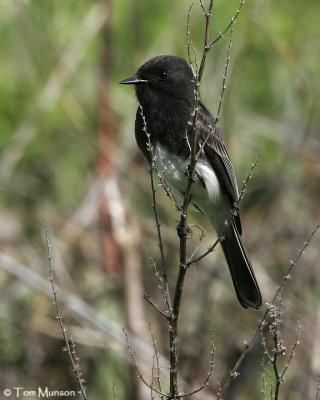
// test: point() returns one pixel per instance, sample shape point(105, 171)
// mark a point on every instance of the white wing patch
point(174, 168)
point(207, 174)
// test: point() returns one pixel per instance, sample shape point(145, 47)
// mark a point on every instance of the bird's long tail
point(242, 274)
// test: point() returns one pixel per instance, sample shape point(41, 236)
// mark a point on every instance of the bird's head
point(162, 78)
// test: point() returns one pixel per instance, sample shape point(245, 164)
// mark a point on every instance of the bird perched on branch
point(165, 88)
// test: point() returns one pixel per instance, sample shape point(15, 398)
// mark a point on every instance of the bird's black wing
point(216, 153)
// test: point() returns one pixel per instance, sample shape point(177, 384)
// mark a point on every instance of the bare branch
point(155, 306)
point(206, 47)
point(292, 352)
point(224, 78)
point(202, 6)
point(152, 378)
point(278, 350)
point(189, 41)
point(153, 161)
point(210, 250)
point(212, 130)
point(202, 235)
point(248, 177)
point(70, 346)
point(232, 22)
point(275, 369)
point(264, 344)
point(210, 371)
point(140, 376)
point(164, 282)
point(156, 354)
point(163, 286)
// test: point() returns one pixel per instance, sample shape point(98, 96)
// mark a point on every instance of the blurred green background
point(68, 154)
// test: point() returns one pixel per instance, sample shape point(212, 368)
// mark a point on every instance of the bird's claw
point(184, 232)
point(191, 175)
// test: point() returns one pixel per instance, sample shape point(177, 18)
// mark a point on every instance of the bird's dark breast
point(166, 124)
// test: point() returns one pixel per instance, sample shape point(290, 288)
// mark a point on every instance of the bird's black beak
point(134, 80)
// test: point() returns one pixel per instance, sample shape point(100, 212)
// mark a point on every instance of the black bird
point(165, 87)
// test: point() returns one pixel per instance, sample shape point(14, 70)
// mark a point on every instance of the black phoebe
point(165, 87)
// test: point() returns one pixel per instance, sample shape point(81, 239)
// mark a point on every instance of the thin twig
point(292, 352)
point(152, 378)
point(212, 130)
point(210, 249)
point(206, 47)
point(224, 78)
point(207, 43)
point(189, 42)
point(164, 281)
point(156, 354)
point(248, 177)
point(210, 371)
point(134, 361)
point(278, 350)
point(264, 344)
point(153, 163)
point(202, 236)
point(158, 226)
point(150, 300)
point(232, 22)
point(162, 286)
point(68, 340)
point(275, 365)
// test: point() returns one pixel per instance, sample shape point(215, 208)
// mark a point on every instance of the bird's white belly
point(205, 191)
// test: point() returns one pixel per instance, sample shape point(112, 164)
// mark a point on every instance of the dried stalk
point(70, 346)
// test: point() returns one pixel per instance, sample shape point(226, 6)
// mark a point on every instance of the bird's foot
point(191, 175)
point(184, 232)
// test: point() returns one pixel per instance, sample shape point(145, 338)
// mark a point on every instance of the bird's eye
point(163, 75)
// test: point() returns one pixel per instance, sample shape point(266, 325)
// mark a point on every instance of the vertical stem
point(206, 48)
point(183, 233)
point(173, 363)
point(275, 365)
point(176, 310)
point(153, 168)
point(164, 280)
